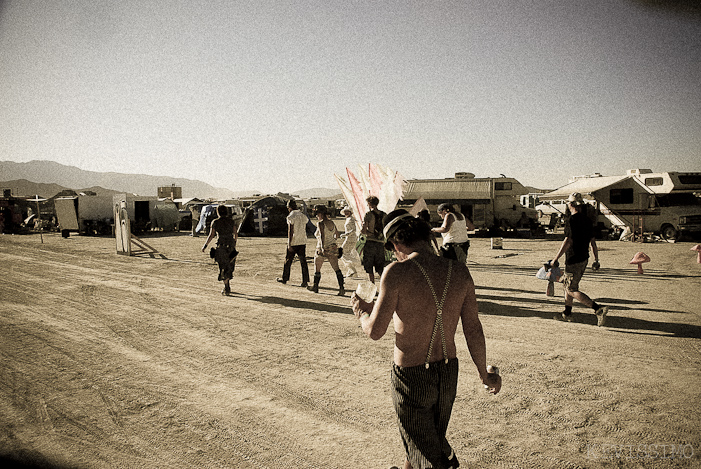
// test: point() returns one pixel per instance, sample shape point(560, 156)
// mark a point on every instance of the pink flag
point(375, 180)
point(358, 194)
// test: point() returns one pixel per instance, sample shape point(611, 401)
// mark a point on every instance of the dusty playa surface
point(115, 361)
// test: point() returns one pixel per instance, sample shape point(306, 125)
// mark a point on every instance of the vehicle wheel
point(669, 233)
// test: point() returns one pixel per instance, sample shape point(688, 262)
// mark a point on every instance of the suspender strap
point(438, 324)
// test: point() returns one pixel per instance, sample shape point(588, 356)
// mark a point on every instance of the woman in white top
point(326, 248)
point(454, 232)
point(350, 256)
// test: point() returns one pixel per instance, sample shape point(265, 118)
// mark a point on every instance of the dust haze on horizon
point(279, 96)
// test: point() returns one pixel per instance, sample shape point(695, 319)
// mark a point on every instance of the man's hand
point(360, 306)
point(493, 382)
point(596, 265)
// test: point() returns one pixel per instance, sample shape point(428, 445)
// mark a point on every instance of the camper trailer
point(488, 202)
point(641, 201)
point(94, 215)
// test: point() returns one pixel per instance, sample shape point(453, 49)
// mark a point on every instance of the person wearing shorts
point(579, 235)
point(326, 249)
point(426, 296)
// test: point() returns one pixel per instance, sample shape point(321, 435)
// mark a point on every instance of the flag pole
point(41, 235)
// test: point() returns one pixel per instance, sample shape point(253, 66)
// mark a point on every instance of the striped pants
point(423, 399)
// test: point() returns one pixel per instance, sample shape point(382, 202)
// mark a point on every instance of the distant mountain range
point(47, 178)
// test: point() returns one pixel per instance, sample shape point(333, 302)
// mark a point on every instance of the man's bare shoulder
point(401, 269)
point(397, 269)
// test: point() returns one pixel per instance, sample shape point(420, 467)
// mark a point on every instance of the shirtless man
point(425, 370)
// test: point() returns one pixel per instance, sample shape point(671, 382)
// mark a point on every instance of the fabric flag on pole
point(376, 180)
point(350, 200)
point(390, 186)
point(385, 184)
point(359, 195)
point(260, 220)
point(347, 194)
point(419, 205)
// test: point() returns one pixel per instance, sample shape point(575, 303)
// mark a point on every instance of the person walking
point(425, 215)
point(454, 232)
point(373, 257)
point(426, 296)
point(349, 257)
point(296, 243)
point(579, 235)
point(226, 231)
point(326, 248)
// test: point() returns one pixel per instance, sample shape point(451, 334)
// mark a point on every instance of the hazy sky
point(280, 95)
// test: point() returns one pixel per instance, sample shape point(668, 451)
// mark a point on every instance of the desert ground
point(111, 361)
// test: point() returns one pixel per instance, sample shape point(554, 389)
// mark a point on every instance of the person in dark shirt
point(373, 256)
point(579, 234)
point(226, 231)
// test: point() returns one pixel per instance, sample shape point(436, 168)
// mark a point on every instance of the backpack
point(379, 226)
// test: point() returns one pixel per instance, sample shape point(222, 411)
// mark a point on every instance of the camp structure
point(85, 214)
point(13, 210)
point(487, 202)
point(126, 242)
point(94, 214)
point(268, 217)
point(640, 202)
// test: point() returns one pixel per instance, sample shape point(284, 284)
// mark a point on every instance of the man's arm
point(468, 223)
point(366, 224)
point(447, 223)
point(290, 233)
point(212, 234)
point(474, 336)
point(594, 249)
point(566, 244)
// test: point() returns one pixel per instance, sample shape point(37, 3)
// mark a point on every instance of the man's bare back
point(416, 309)
point(404, 290)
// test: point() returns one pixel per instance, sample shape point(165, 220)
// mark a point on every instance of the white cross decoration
point(260, 220)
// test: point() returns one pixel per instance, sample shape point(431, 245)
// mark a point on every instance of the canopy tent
point(268, 217)
point(442, 190)
point(585, 186)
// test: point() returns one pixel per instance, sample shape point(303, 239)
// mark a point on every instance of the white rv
point(642, 201)
point(488, 202)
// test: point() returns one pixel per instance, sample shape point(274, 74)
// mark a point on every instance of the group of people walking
point(346, 255)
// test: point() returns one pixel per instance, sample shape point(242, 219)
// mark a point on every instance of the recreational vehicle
point(488, 202)
point(664, 203)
